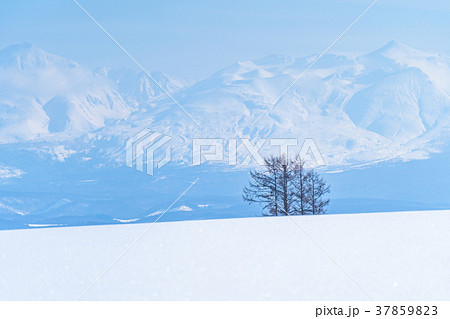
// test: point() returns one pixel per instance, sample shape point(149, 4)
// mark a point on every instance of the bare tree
point(286, 187)
point(264, 187)
point(317, 189)
point(300, 187)
point(286, 177)
point(272, 187)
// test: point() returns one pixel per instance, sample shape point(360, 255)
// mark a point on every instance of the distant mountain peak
point(396, 50)
point(393, 44)
point(27, 56)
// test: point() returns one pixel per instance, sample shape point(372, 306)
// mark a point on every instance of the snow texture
point(401, 256)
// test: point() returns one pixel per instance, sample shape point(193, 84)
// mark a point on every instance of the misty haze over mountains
point(63, 128)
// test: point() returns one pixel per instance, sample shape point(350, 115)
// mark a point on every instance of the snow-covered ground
point(394, 256)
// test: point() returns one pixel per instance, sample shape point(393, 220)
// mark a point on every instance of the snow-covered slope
point(411, 97)
point(42, 94)
point(395, 256)
point(138, 88)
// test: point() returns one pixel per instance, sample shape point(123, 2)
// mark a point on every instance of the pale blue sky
point(197, 37)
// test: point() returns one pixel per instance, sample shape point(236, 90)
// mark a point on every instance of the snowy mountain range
point(390, 104)
point(43, 94)
point(393, 102)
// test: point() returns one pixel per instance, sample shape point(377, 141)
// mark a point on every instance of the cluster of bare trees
point(287, 187)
